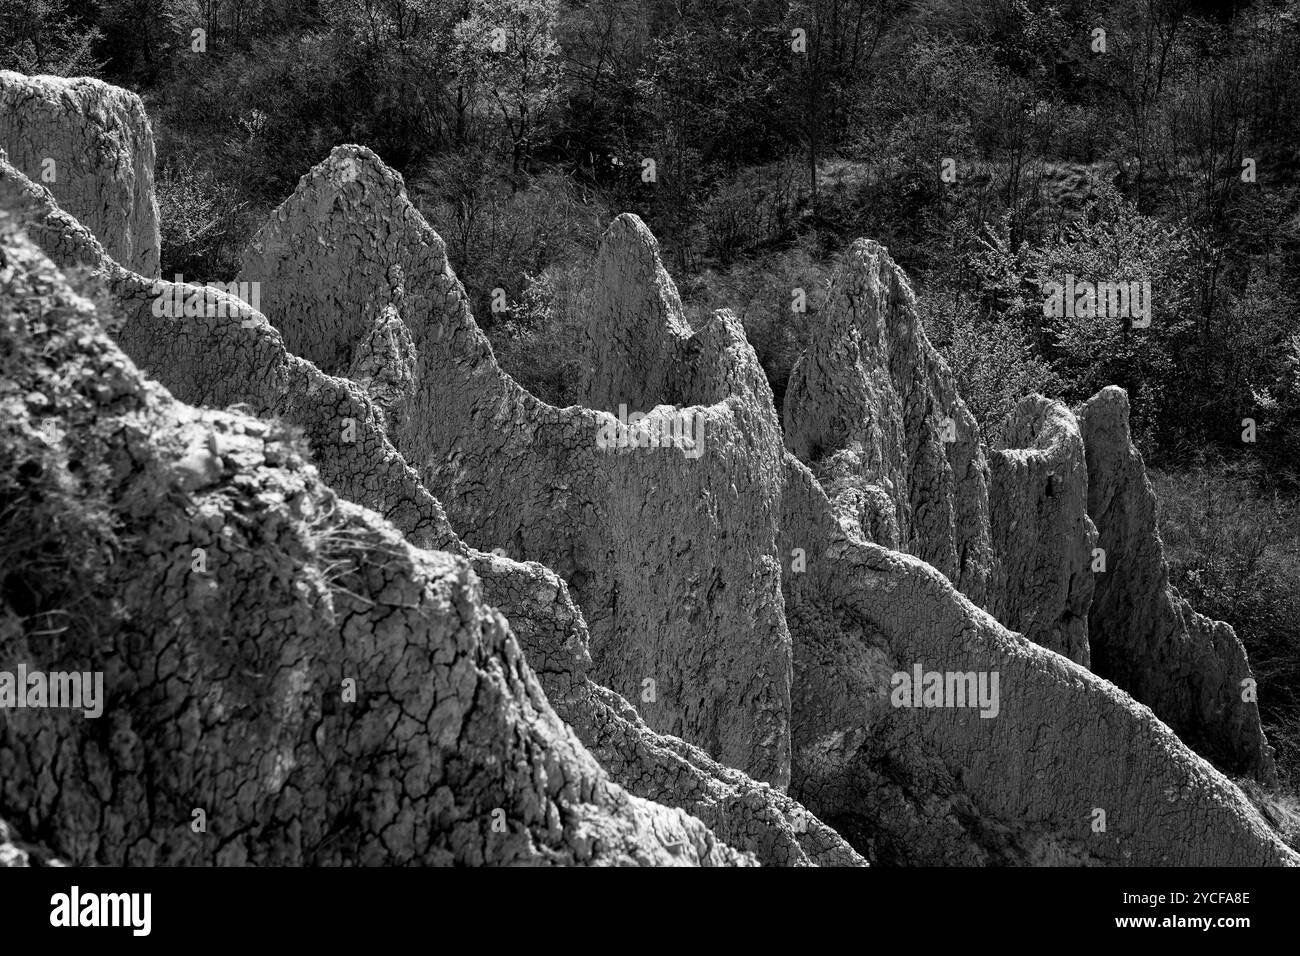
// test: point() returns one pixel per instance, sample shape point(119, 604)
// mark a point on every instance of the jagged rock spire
point(771, 631)
point(91, 145)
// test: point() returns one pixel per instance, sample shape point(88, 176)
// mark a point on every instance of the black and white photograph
point(855, 434)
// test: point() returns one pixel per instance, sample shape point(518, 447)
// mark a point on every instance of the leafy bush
point(993, 360)
point(44, 36)
point(760, 292)
point(1234, 552)
point(539, 343)
point(204, 225)
point(499, 233)
point(1112, 242)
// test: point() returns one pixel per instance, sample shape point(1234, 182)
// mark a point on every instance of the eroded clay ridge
point(905, 784)
point(92, 145)
point(1069, 770)
point(1052, 765)
point(871, 407)
point(940, 784)
point(1043, 539)
point(873, 410)
point(919, 784)
point(670, 550)
point(1190, 670)
point(324, 691)
point(223, 352)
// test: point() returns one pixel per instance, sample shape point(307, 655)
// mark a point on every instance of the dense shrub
point(1234, 552)
point(499, 232)
point(45, 36)
point(993, 360)
point(761, 293)
point(204, 223)
point(538, 342)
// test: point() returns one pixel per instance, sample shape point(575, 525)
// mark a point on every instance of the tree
point(508, 53)
point(41, 36)
point(840, 39)
point(398, 60)
point(1144, 52)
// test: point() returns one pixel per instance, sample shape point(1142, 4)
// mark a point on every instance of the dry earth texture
point(376, 603)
